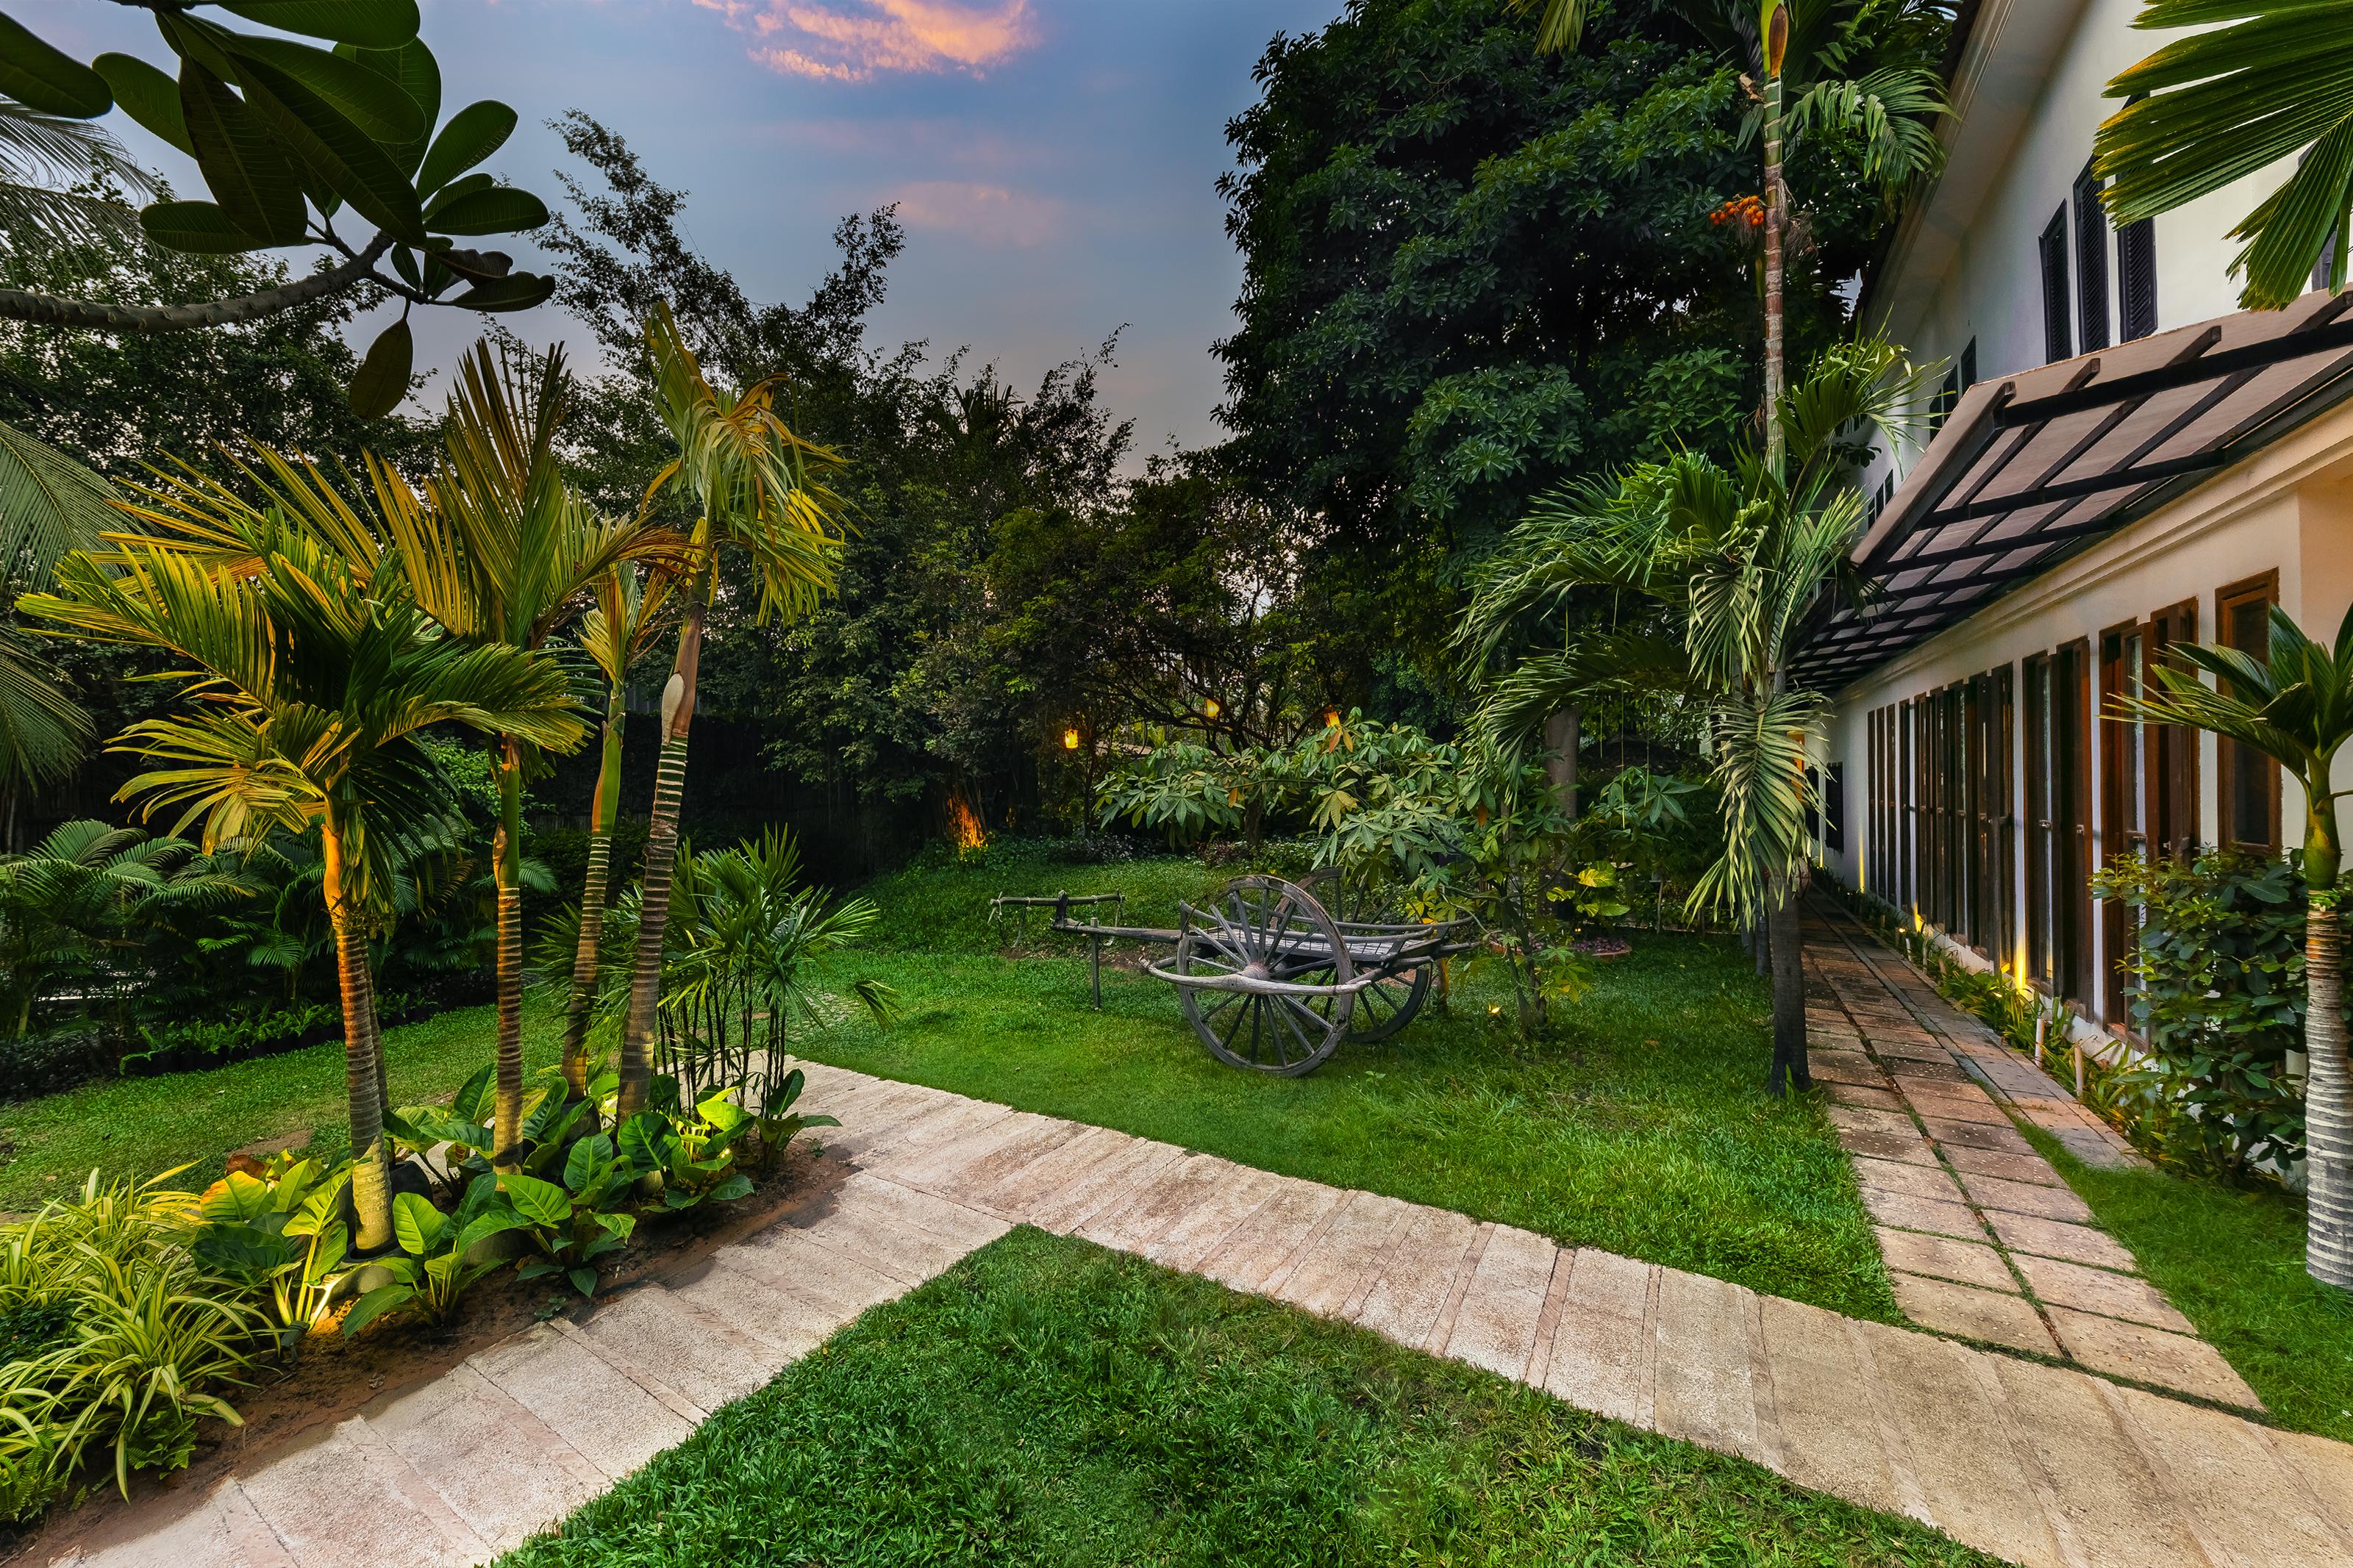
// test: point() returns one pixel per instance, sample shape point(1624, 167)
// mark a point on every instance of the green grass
point(2233, 1261)
point(1644, 1131)
point(1050, 1403)
point(143, 1125)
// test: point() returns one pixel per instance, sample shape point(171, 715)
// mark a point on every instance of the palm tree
point(1731, 564)
point(50, 505)
point(2222, 103)
point(758, 487)
point(1853, 66)
point(628, 615)
point(314, 674)
point(501, 553)
point(2295, 706)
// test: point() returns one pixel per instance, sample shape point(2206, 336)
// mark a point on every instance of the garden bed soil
point(333, 1376)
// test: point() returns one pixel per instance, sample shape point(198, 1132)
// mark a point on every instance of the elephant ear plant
point(281, 1235)
point(437, 1261)
point(2294, 705)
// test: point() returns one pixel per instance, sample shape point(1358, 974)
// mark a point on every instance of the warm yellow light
point(1332, 721)
point(1070, 739)
point(1209, 709)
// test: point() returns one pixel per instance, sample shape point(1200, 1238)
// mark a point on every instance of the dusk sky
point(1053, 160)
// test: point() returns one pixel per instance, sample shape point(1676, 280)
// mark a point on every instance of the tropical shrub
point(116, 1333)
point(2218, 997)
point(281, 1233)
point(439, 1256)
point(211, 1040)
point(579, 1216)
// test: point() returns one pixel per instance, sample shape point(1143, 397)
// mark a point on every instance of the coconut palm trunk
point(661, 854)
point(506, 859)
point(1777, 219)
point(586, 962)
point(2328, 1081)
point(364, 1071)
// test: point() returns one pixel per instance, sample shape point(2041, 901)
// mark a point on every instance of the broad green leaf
point(474, 133)
point(371, 24)
point(41, 76)
point(241, 1249)
point(379, 106)
point(583, 1280)
point(382, 377)
point(618, 1226)
point(498, 1222)
point(376, 1303)
point(235, 1196)
point(644, 1141)
point(541, 1202)
point(198, 229)
point(350, 162)
point(415, 1223)
point(240, 159)
point(475, 1095)
point(580, 1165)
point(723, 1113)
point(413, 67)
point(464, 184)
point(735, 1186)
point(147, 95)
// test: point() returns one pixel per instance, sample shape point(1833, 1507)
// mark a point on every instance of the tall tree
point(310, 675)
point(756, 487)
point(2222, 102)
point(501, 552)
point(1738, 557)
point(2294, 705)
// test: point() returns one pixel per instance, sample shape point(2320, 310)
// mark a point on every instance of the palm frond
point(42, 158)
point(50, 505)
point(42, 731)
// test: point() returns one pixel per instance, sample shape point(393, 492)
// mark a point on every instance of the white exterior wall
point(1967, 265)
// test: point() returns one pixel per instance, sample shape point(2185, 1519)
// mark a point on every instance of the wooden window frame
point(2119, 801)
point(2230, 756)
point(2042, 828)
point(2171, 778)
point(2070, 776)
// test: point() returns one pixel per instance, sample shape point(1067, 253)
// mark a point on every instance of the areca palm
point(2294, 705)
point(49, 504)
point(628, 615)
point(1707, 576)
point(1855, 67)
point(2221, 103)
point(758, 487)
point(314, 674)
point(501, 552)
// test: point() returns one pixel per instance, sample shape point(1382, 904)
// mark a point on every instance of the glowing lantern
point(1209, 709)
point(1070, 739)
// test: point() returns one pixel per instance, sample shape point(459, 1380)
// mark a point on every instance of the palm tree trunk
point(584, 963)
point(363, 1052)
point(662, 855)
point(1777, 209)
point(1561, 735)
point(1787, 958)
point(2328, 1089)
point(506, 862)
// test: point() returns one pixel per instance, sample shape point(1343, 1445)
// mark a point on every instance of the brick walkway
point(1982, 1237)
point(2041, 1464)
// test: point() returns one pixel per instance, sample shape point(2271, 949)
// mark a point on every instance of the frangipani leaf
point(371, 24)
point(474, 133)
point(36, 73)
point(148, 96)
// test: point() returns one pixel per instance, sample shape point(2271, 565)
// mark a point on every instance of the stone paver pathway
point(2041, 1464)
point(1982, 1237)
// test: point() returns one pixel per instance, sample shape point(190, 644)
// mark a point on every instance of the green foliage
point(280, 1233)
point(223, 1037)
point(2219, 996)
point(581, 1214)
point(437, 1262)
point(121, 1335)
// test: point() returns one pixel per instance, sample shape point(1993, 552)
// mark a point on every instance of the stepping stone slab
point(1909, 1072)
point(1701, 1379)
point(1949, 1309)
point(1334, 1271)
point(1942, 1257)
point(888, 1246)
point(2025, 1197)
point(1845, 1067)
point(1604, 1351)
point(703, 1356)
point(2327, 1467)
point(334, 1503)
point(2096, 1290)
point(498, 1467)
point(1197, 1232)
point(1278, 1227)
point(1404, 1301)
point(1495, 1326)
point(1112, 1182)
point(2097, 1148)
point(1819, 1390)
point(2104, 1498)
point(1911, 1180)
point(933, 1131)
point(2055, 1238)
point(1857, 1120)
point(2152, 1355)
point(216, 1530)
point(813, 1288)
point(789, 1323)
point(956, 1223)
point(1968, 1475)
point(611, 1421)
point(1017, 1192)
point(1015, 1139)
point(1955, 1108)
point(1858, 1094)
point(2004, 1139)
point(1908, 1213)
point(1910, 1149)
point(2030, 1168)
point(1180, 1188)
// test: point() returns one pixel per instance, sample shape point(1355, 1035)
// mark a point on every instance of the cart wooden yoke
point(1268, 979)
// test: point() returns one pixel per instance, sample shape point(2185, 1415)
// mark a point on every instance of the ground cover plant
point(1639, 1127)
point(1049, 1402)
point(2233, 1260)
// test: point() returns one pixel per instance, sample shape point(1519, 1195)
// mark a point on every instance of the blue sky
point(1053, 160)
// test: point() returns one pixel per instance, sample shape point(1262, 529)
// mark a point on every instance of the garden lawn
point(1645, 1131)
point(1050, 1403)
point(140, 1126)
point(2233, 1261)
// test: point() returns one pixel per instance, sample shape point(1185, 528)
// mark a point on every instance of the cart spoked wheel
point(1265, 977)
point(1388, 1003)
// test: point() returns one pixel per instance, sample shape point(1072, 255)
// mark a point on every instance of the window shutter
point(2058, 338)
point(2091, 262)
point(2137, 280)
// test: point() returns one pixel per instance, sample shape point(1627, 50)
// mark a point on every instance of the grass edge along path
point(2233, 1260)
point(1047, 1402)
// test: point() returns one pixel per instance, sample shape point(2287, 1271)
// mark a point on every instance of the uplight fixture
point(1210, 708)
point(1071, 740)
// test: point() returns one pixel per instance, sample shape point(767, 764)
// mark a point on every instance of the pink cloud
point(855, 40)
point(986, 215)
